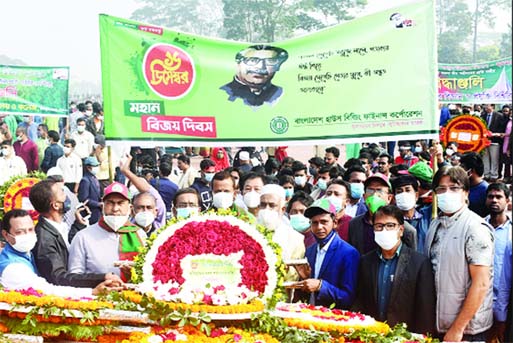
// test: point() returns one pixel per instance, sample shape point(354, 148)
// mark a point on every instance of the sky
point(66, 32)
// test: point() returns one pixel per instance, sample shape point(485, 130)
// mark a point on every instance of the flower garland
point(160, 273)
point(32, 297)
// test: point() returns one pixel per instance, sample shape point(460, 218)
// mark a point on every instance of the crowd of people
point(367, 225)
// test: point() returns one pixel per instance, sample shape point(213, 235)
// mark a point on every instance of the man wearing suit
point(333, 263)
point(89, 188)
point(497, 125)
point(395, 283)
point(51, 249)
point(378, 193)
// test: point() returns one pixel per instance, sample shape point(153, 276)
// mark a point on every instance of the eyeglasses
point(386, 226)
point(452, 189)
point(371, 191)
point(253, 61)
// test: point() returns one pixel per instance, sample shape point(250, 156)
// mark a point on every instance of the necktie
point(489, 119)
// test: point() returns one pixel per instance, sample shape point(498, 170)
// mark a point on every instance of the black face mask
point(66, 205)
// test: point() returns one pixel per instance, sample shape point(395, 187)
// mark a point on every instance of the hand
point(453, 335)
point(107, 287)
point(114, 278)
point(303, 270)
point(311, 285)
point(78, 215)
point(126, 270)
point(124, 167)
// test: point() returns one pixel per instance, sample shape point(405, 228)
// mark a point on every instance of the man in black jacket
point(51, 249)
point(395, 283)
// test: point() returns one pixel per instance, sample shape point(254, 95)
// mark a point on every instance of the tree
point(190, 16)
point(454, 29)
point(506, 46)
point(488, 53)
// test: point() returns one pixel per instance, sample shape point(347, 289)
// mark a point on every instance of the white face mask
point(449, 151)
point(405, 201)
point(80, 128)
point(336, 201)
point(115, 222)
point(252, 199)
point(88, 112)
point(300, 180)
point(5, 152)
point(144, 218)
point(25, 243)
point(449, 202)
point(95, 170)
point(269, 218)
point(386, 239)
point(66, 150)
point(418, 149)
point(222, 200)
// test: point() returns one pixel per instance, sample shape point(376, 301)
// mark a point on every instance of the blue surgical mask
point(289, 192)
point(322, 184)
point(357, 190)
point(209, 176)
point(185, 212)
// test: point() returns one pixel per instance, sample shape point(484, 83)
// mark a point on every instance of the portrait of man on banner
point(256, 66)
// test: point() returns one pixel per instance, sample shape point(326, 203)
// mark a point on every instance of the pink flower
point(237, 337)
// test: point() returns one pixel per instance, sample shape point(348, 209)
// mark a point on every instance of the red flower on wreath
point(219, 238)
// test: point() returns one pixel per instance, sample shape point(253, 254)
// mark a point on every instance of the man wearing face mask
point(51, 249)
point(395, 283)
point(164, 186)
point(95, 123)
point(331, 275)
point(406, 194)
point(71, 202)
point(296, 208)
point(53, 152)
point(355, 176)
point(270, 215)
point(361, 233)
point(474, 166)
point(323, 178)
point(186, 203)
point(84, 139)
point(202, 184)
point(12, 165)
point(224, 192)
point(460, 246)
point(405, 155)
point(17, 264)
point(252, 184)
point(26, 149)
point(113, 238)
point(89, 188)
point(337, 194)
point(71, 166)
point(300, 178)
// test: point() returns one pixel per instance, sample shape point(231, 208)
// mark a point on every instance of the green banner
point(34, 90)
point(371, 77)
point(475, 83)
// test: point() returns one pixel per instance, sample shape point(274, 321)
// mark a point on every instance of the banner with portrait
point(34, 90)
point(372, 77)
point(479, 83)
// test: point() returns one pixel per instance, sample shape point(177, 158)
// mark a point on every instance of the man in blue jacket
point(333, 262)
point(89, 188)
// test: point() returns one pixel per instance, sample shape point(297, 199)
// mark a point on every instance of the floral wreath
point(17, 191)
point(223, 234)
point(470, 132)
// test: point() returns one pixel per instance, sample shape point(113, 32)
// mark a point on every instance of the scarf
point(129, 242)
point(322, 242)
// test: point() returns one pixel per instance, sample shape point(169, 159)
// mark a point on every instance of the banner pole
point(109, 158)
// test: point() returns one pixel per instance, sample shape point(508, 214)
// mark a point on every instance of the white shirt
point(71, 167)
point(11, 167)
point(62, 228)
point(351, 209)
point(20, 276)
point(84, 142)
point(94, 250)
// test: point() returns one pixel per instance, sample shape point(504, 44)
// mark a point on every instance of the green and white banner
point(371, 77)
point(34, 90)
point(479, 83)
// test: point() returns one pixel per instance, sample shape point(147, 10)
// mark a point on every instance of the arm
point(79, 173)
point(139, 182)
point(480, 276)
point(500, 309)
point(35, 157)
point(46, 160)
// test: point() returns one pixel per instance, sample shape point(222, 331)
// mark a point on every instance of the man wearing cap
point(271, 215)
point(113, 238)
point(245, 162)
point(51, 249)
point(406, 194)
point(377, 194)
point(395, 283)
point(333, 264)
point(406, 157)
point(89, 188)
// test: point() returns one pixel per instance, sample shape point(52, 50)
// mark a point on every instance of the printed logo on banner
point(279, 125)
point(168, 71)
